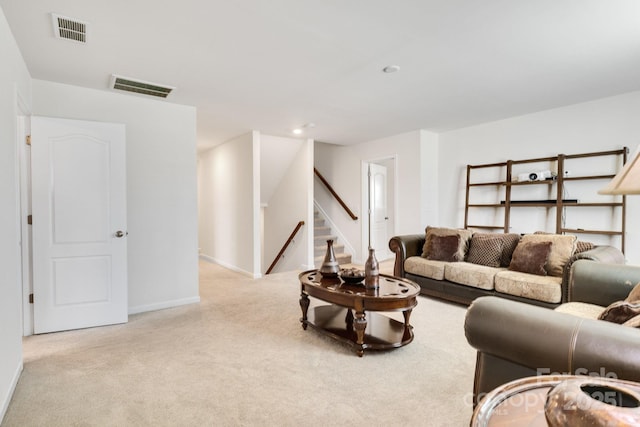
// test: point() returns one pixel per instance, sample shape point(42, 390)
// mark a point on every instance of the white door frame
point(364, 191)
point(23, 118)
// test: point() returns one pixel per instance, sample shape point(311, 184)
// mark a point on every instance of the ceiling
point(275, 65)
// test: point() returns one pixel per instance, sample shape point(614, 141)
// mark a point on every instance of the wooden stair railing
point(332, 191)
point(284, 248)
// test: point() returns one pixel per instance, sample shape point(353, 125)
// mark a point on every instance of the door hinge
point(29, 219)
point(28, 139)
point(30, 298)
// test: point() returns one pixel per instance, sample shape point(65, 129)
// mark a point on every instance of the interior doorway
point(379, 198)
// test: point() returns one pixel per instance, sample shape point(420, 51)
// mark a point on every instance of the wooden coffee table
point(350, 315)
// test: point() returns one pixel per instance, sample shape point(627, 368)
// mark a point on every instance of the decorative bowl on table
point(351, 275)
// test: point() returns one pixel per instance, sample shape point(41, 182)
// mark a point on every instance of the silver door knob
point(121, 233)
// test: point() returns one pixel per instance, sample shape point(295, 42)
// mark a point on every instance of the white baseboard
point(12, 389)
point(163, 305)
point(229, 266)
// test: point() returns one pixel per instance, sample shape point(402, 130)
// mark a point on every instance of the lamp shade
point(627, 181)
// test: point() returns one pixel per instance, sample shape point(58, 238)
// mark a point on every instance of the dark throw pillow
point(463, 242)
point(510, 242)
point(531, 257)
point(442, 248)
point(620, 311)
point(485, 250)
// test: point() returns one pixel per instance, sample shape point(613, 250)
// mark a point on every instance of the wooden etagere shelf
point(556, 164)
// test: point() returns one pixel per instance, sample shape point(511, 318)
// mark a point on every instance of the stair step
point(318, 222)
point(341, 258)
point(321, 231)
point(322, 239)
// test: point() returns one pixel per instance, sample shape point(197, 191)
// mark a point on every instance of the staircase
point(322, 233)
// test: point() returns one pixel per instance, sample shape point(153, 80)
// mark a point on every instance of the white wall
point(291, 202)
point(229, 204)
point(416, 188)
point(161, 186)
point(14, 79)
point(600, 125)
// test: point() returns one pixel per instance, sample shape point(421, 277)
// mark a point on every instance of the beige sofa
point(533, 268)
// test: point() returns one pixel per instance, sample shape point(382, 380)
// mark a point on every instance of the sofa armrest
point(405, 247)
point(521, 338)
point(602, 254)
point(601, 283)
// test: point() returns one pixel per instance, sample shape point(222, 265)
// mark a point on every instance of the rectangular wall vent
point(69, 28)
point(139, 86)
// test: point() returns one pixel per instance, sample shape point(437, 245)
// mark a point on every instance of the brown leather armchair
point(516, 340)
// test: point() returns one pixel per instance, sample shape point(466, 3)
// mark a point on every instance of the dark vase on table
point(330, 266)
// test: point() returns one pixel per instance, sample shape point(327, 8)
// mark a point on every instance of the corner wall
point(229, 205)
point(161, 187)
point(600, 125)
point(14, 81)
point(291, 202)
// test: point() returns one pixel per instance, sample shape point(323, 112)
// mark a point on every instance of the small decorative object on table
point(330, 266)
point(352, 275)
point(371, 271)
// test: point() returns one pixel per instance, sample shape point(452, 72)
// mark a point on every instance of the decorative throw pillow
point(442, 248)
point(620, 311)
point(582, 246)
point(531, 257)
point(562, 248)
point(485, 250)
point(634, 295)
point(465, 236)
point(634, 322)
point(510, 242)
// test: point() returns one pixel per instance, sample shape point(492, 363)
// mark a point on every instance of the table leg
point(304, 305)
point(407, 326)
point(360, 324)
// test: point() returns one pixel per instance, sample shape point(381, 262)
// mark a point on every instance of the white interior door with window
point(79, 224)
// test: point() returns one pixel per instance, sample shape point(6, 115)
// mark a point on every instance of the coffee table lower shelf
point(381, 332)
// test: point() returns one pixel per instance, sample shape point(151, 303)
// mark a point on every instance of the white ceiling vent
point(69, 28)
point(139, 86)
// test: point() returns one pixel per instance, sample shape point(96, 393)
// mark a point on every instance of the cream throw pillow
point(562, 248)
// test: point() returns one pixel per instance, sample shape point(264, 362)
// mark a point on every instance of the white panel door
point(378, 209)
point(79, 224)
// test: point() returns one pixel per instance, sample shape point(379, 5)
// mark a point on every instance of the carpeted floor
point(241, 358)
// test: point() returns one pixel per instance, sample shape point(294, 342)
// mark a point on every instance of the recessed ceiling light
point(391, 68)
point(300, 130)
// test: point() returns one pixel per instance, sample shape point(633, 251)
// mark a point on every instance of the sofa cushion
point(531, 257)
point(563, 246)
point(485, 249)
point(475, 275)
point(465, 236)
point(540, 288)
point(620, 311)
point(424, 267)
point(442, 248)
point(580, 309)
